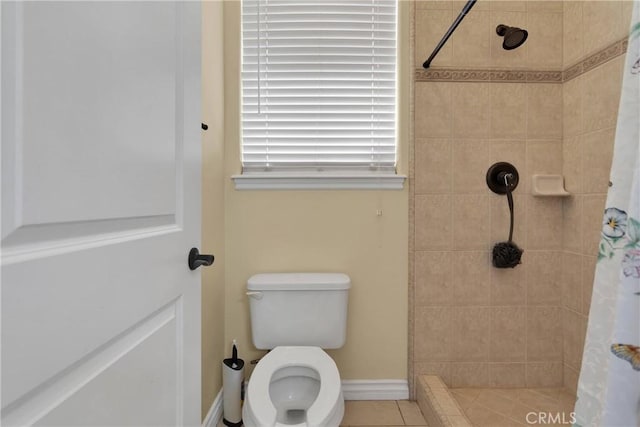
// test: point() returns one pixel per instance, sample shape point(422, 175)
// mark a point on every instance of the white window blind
point(319, 85)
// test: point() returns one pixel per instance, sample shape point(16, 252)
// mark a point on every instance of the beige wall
point(589, 114)
point(212, 202)
point(475, 325)
point(269, 231)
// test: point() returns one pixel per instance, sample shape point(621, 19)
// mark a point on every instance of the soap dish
point(548, 186)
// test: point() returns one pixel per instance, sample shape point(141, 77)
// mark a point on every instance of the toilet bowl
point(294, 386)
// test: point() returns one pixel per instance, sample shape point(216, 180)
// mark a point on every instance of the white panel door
point(100, 206)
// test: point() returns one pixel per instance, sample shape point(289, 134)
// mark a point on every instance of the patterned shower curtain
point(609, 386)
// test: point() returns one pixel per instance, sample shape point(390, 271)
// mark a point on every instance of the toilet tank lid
point(298, 281)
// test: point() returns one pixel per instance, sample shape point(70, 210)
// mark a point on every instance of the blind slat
point(319, 84)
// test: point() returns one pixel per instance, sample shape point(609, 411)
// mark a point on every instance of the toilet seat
point(283, 357)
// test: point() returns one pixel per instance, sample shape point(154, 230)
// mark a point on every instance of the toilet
point(296, 316)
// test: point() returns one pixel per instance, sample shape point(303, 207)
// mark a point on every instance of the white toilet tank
point(298, 309)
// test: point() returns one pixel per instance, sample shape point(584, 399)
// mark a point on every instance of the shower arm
point(467, 7)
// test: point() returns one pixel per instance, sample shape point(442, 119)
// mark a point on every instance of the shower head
point(513, 36)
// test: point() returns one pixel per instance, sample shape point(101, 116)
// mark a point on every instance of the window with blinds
point(319, 86)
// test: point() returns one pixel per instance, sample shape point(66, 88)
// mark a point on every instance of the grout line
point(404, 422)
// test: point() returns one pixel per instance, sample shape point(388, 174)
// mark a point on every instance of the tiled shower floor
point(495, 407)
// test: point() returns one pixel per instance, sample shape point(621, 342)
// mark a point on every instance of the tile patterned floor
point(382, 413)
point(494, 407)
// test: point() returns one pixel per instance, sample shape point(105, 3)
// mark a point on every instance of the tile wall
point(474, 325)
point(590, 109)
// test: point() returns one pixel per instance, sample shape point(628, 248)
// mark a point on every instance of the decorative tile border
point(483, 75)
point(523, 76)
point(608, 53)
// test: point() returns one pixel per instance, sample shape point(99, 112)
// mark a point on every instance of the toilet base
point(333, 421)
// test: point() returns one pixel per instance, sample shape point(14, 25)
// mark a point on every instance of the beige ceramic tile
point(508, 110)
point(544, 278)
point(558, 394)
point(544, 374)
point(463, 401)
point(544, 223)
point(544, 111)
point(434, 341)
point(544, 157)
point(601, 95)
point(544, 334)
point(508, 336)
point(470, 42)
point(470, 374)
point(597, 153)
point(471, 159)
point(433, 109)
point(592, 213)
point(471, 228)
point(430, 27)
point(588, 275)
point(603, 19)
point(457, 6)
point(572, 169)
point(469, 394)
point(573, 338)
point(472, 277)
point(533, 399)
point(424, 400)
point(433, 382)
point(572, 107)
point(572, 221)
point(570, 377)
point(572, 281)
point(544, 41)
point(433, 166)
point(447, 404)
point(434, 278)
point(441, 369)
point(507, 374)
point(411, 413)
point(433, 4)
point(433, 222)
point(508, 285)
point(573, 34)
point(458, 421)
point(502, 404)
point(544, 5)
point(481, 416)
point(471, 110)
point(372, 413)
point(509, 6)
point(471, 335)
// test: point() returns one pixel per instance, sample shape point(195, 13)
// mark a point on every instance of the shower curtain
point(609, 385)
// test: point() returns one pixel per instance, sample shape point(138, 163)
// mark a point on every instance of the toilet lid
point(283, 357)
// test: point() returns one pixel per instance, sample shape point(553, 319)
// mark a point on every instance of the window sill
point(301, 181)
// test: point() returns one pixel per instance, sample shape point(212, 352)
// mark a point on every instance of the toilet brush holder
point(232, 389)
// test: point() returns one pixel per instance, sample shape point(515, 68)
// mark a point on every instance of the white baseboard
point(351, 389)
point(375, 389)
point(214, 416)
